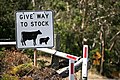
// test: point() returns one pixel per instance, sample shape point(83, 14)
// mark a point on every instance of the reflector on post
point(85, 51)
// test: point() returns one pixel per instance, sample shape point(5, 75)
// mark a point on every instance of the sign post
point(35, 57)
point(34, 29)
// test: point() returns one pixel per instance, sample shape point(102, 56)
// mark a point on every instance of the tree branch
point(114, 40)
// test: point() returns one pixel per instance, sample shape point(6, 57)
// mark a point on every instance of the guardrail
point(8, 43)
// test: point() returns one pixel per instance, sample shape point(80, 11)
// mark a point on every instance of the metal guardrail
point(7, 43)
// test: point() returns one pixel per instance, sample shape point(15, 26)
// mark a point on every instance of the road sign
point(34, 29)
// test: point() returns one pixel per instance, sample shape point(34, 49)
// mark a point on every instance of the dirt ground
point(91, 76)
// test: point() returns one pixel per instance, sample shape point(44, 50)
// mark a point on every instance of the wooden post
point(35, 57)
point(35, 51)
point(102, 38)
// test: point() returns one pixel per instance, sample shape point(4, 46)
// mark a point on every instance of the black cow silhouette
point(44, 40)
point(29, 36)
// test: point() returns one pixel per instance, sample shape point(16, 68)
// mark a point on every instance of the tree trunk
point(33, 2)
point(85, 10)
point(102, 38)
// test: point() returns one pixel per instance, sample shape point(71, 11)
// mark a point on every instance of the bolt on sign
point(34, 29)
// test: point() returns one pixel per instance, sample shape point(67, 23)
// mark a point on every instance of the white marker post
point(71, 69)
point(84, 64)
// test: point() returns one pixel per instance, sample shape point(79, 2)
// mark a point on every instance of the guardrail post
point(71, 69)
point(55, 59)
point(84, 64)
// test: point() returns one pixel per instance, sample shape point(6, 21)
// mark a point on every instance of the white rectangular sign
point(34, 29)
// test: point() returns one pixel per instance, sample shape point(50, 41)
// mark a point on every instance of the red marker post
point(84, 64)
point(71, 69)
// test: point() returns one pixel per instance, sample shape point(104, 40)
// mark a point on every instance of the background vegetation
point(98, 21)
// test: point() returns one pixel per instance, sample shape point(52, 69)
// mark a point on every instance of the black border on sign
point(16, 27)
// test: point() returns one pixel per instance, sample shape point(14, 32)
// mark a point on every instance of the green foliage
point(2, 55)
point(110, 63)
point(9, 77)
point(22, 69)
point(7, 16)
point(29, 52)
point(41, 63)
